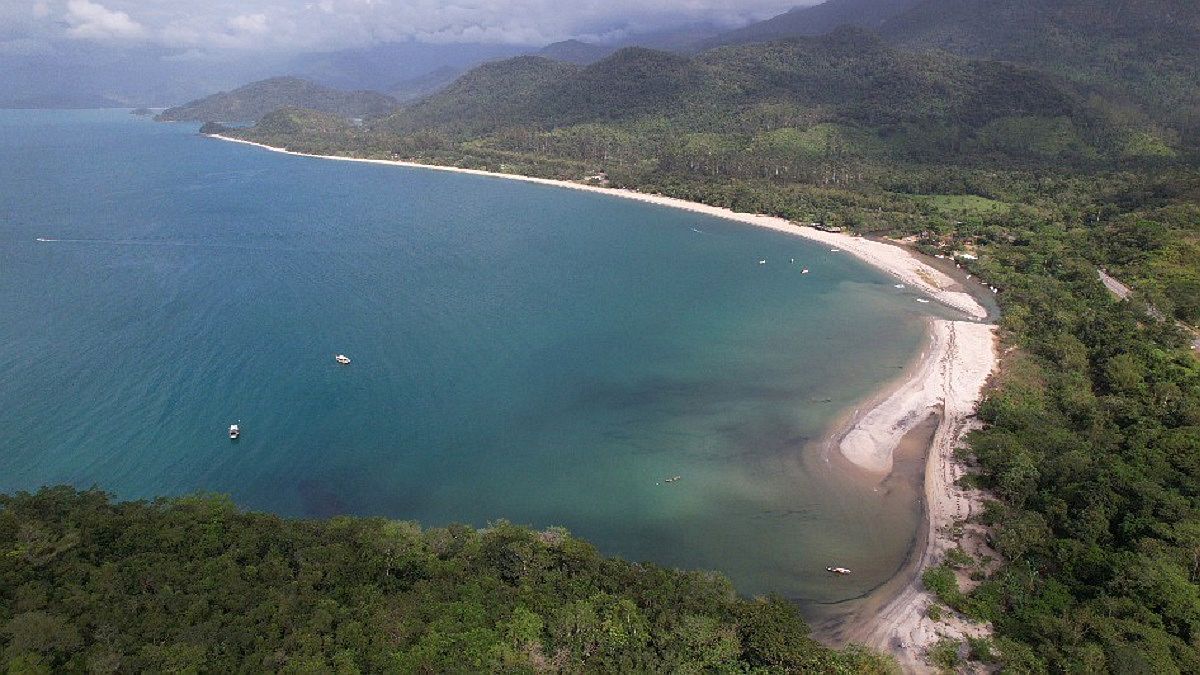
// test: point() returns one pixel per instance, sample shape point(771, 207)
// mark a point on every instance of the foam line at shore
point(896, 261)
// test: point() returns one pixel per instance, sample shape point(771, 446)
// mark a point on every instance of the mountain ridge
point(251, 101)
point(813, 20)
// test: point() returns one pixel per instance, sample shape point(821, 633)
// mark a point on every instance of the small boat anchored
point(234, 432)
point(342, 359)
point(838, 570)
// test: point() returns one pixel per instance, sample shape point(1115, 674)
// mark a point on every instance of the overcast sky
point(299, 25)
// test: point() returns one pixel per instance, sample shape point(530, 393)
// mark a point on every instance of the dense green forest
point(1092, 443)
point(193, 584)
point(765, 102)
point(1133, 57)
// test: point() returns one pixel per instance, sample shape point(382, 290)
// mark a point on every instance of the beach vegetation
point(943, 583)
point(944, 654)
point(957, 558)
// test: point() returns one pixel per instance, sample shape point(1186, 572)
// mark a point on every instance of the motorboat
point(342, 359)
point(838, 570)
point(234, 432)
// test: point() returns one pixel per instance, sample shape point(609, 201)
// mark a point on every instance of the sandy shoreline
point(958, 358)
point(894, 260)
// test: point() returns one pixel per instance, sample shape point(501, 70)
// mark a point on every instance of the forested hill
point(1144, 53)
point(194, 585)
point(1147, 49)
point(575, 51)
point(881, 100)
point(487, 96)
point(252, 101)
point(815, 20)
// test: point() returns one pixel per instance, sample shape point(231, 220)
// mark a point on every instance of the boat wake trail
point(145, 242)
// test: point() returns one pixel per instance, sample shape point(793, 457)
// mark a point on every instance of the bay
point(520, 352)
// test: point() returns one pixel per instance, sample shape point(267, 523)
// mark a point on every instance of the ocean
point(520, 352)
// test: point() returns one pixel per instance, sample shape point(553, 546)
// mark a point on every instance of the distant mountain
point(850, 78)
point(575, 51)
point(414, 88)
point(487, 96)
point(379, 67)
point(1147, 48)
point(65, 101)
point(1141, 55)
point(684, 39)
point(815, 20)
point(256, 99)
point(83, 73)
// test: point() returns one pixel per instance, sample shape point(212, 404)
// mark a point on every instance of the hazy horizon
point(152, 52)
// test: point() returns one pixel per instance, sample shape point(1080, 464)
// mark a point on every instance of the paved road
point(1117, 288)
point(1123, 292)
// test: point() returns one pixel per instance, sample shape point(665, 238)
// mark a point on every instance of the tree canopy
point(194, 584)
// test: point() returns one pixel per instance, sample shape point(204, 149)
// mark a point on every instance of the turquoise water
point(519, 351)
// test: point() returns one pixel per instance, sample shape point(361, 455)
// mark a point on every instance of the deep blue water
point(520, 351)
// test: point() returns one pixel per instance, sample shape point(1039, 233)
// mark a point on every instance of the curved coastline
point(948, 379)
point(889, 258)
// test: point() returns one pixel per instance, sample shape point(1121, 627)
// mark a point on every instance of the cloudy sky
point(301, 25)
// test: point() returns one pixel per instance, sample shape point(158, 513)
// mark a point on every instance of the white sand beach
point(960, 358)
point(949, 379)
point(955, 363)
point(896, 261)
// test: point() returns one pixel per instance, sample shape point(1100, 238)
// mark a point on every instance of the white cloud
point(253, 24)
point(92, 21)
point(302, 25)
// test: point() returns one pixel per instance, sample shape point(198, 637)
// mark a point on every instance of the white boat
point(899, 286)
point(342, 359)
point(762, 262)
point(234, 432)
point(838, 570)
point(804, 271)
point(922, 300)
